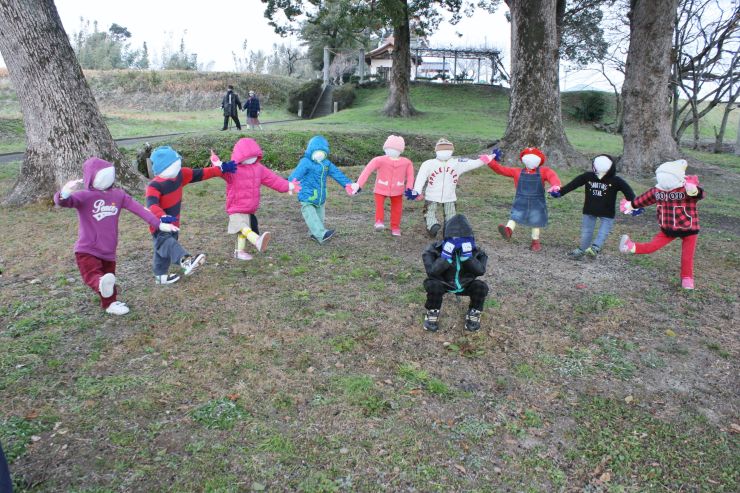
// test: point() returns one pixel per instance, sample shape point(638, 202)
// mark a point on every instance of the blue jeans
point(587, 230)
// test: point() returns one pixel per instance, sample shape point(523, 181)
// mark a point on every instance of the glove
point(215, 160)
point(228, 167)
point(692, 185)
point(351, 188)
point(166, 227)
point(68, 188)
point(412, 194)
point(497, 154)
point(294, 186)
point(554, 191)
point(625, 206)
point(447, 250)
point(355, 187)
point(168, 219)
point(637, 212)
point(466, 249)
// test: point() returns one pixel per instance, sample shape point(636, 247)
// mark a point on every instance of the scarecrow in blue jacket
point(312, 171)
point(452, 266)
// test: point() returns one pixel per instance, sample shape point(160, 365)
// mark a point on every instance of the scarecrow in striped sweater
point(163, 198)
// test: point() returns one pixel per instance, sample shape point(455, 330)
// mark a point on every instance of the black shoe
point(329, 233)
point(431, 320)
point(434, 230)
point(472, 320)
point(224, 129)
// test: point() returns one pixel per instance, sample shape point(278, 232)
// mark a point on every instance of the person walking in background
point(252, 108)
point(231, 106)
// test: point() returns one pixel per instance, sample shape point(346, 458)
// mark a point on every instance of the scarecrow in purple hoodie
point(99, 206)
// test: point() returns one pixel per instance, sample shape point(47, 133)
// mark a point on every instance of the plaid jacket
point(676, 210)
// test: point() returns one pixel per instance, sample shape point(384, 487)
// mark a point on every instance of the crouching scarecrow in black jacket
point(452, 266)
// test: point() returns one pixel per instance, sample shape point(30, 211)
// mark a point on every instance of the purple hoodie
point(98, 212)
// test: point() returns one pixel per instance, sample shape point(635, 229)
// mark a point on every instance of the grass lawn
point(307, 368)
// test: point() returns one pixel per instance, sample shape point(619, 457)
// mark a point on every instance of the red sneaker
point(505, 231)
point(535, 247)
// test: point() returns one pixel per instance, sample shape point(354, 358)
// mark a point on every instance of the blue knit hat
point(162, 157)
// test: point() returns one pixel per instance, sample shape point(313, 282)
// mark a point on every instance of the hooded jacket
point(98, 212)
point(600, 194)
point(243, 187)
point(312, 175)
point(394, 175)
point(456, 275)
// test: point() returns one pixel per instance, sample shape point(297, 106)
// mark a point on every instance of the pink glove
point(351, 188)
point(294, 186)
point(420, 197)
point(625, 206)
point(215, 160)
point(553, 189)
point(692, 185)
point(485, 158)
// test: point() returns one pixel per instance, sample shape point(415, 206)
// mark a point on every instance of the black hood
point(458, 226)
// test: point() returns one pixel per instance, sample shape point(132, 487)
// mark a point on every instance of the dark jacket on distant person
point(252, 106)
point(231, 104)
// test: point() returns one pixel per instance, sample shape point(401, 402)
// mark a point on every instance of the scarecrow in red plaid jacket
point(676, 196)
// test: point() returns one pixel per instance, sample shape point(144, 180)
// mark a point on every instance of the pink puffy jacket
point(394, 175)
point(243, 187)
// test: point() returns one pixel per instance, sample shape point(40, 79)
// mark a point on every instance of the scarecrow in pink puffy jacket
point(395, 174)
point(243, 194)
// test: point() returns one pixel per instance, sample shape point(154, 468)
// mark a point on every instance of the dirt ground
point(307, 369)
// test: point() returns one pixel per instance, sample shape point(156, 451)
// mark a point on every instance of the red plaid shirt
point(676, 210)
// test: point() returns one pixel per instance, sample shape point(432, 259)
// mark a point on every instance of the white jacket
point(441, 177)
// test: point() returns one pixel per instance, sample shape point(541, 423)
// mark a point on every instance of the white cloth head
point(444, 155)
point(104, 178)
point(172, 170)
point(602, 165)
point(392, 152)
point(250, 160)
point(318, 156)
point(531, 161)
point(671, 175)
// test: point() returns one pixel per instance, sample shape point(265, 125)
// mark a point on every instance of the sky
point(214, 31)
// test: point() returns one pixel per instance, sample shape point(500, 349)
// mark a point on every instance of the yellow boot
point(259, 241)
point(241, 245)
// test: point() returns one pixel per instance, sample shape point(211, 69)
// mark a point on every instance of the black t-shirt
point(601, 195)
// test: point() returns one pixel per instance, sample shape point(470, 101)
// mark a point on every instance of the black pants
point(477, 290)
point(236, 120)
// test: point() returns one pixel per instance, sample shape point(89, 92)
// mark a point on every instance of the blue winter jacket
point(312, 175)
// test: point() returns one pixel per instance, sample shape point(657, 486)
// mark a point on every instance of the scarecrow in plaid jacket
point(676, 196)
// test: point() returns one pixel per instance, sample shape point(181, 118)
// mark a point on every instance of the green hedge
point(283, 149)
point(344, 95)
point(309, 93)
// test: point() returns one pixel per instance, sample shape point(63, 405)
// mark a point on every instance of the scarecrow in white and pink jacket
point(243, 194)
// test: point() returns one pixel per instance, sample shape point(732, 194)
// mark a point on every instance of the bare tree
point(341, 65)
point(62, 120)
point(719, 135)
point(705, 66)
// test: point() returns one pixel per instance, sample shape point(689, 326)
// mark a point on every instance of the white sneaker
point(106, 285)
point(166, 278)
point(117, 308)
point(189, 264)
point(262, 241)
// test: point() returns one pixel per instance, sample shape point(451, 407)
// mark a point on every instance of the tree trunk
point(719, 137)
point(737, 137)
point(62, 121)
point(646, 90)
point(399, 97)
point(534, 113)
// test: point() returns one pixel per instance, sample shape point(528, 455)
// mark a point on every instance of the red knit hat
point(536, 152)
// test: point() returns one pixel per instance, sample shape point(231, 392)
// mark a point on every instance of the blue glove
point(556, 194)
point(167, 219)
point(637, 212)
point(497, 154)
point(465, 246)
point(448, 248)
point(410, 194)
point(228, 167)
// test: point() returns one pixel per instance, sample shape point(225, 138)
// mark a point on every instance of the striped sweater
point(163, 196)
